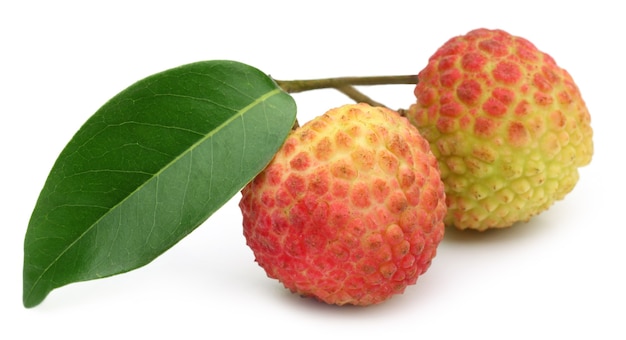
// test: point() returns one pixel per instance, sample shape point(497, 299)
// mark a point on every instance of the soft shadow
point(312, 305)
point(397, 305)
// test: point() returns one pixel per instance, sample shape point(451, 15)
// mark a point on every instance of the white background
point(560, 275)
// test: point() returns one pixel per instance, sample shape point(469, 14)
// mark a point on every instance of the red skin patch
point(301, 161)
point(493, 47)
point(450, 78)
point(507, 72)
point(469, 91)
point(504, 95)
point(360, 196)
point(494, 107)
point(447, 62)
point(295, 185)
point(320, 182)
point(484, 127)
point(380, 190)
point(526, 51)
point(451, 109)
point(340, 189)
point(446, 124)
point(473, 62)
point(289, 145)
point(427, 95)
point(274, 174)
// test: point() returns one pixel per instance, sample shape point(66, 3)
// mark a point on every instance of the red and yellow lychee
point(350, 210)
point(508, 126)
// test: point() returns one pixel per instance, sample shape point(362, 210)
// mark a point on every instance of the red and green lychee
point(508, 126)
point(350, 210)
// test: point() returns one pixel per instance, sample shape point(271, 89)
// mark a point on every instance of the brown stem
point(294, 86)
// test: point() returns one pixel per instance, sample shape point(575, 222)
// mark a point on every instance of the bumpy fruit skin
point(508, 126)
point(350, 210)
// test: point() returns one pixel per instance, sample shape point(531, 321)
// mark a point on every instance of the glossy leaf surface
point(149, 167)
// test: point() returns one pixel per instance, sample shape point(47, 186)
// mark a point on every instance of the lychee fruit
point(508, 126)
point(351, 208)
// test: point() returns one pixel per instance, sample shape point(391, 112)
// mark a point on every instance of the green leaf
point(149, 167)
